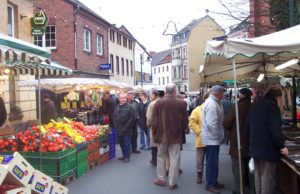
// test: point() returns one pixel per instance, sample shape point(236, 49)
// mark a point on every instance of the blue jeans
point(142, 138)
point(212, 165)
point(125, 142)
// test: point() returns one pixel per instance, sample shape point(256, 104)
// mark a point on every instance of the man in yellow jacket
point(195, 124)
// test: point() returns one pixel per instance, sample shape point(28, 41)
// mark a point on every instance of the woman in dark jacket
point(244, 106)
point(3, 113)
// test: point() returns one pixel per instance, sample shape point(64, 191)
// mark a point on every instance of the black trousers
point(134, 137)
point(154, 154)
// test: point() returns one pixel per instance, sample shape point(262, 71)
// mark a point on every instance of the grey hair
point(170, 88)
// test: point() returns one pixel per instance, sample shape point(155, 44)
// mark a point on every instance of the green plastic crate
point(82, 166)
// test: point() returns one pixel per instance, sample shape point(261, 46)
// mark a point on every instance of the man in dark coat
point(123, 118)
point(169, 122)
point(48, 109)
point(134, 103)
point(144, 130)
point(3, 113)
point(266, 140)
point(109, 104)
point(244, 106)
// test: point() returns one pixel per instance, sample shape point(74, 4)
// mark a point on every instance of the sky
point(147, 20)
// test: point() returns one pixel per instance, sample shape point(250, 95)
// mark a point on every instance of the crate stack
point(93, 152)
point(82, 165)
point(112, 144)
point(58, 165)
point(104, 149)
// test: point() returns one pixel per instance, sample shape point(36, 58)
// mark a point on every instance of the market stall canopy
point(25, 58)
point(148, 87)
point(252, 56)
point(61, 85)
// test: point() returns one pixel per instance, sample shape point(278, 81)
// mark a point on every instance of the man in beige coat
point(153, 98)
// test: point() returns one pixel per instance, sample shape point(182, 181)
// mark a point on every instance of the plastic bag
point(251, 165)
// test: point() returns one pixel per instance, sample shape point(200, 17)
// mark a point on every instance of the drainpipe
point(75, 37)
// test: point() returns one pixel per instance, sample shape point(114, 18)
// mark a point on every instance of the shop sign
point(38, 23)
point(105, 66)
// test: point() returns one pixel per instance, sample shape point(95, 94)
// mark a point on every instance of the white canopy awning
point(261, 53)
point(25, 58)
point(60, 85)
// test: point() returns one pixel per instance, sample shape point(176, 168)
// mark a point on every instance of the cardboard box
point(41, 183)
point(58, 189)
point(19, 171)
point(21, 190)
point(3, 173)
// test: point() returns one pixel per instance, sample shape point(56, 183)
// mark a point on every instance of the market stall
point(251, 57)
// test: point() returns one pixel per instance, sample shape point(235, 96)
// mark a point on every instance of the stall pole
point(40, 114)
point(294, 106)
point(237, 125)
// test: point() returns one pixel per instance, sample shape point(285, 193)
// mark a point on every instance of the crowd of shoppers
point(163, 122)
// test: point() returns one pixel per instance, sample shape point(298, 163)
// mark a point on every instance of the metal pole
point(291, 8)
point(237, 126)
point(40, 114)
point(142, 58)
point(294, 106)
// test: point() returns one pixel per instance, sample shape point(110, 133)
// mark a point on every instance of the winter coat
point(169, 120)
point(48, 112)
point(123, 119)
point(195, 124)
point(3, 113)
point(264, 131)
point(142, 110)
point(109, 106)
point(134, 105)
point(149, 120)
point(244, 106)
point(212, 122)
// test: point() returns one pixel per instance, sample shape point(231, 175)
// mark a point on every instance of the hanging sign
point(105, 66)
point(38, 23)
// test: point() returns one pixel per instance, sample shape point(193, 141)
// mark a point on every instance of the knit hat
point(246, 92)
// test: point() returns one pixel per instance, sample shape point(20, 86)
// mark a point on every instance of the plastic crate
point(58, 165)
point(104, 158)
point(82, 166)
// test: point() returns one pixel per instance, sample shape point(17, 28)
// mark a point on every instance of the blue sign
point(105, 66)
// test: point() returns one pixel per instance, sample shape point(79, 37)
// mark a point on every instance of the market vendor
point(3, 113)
point(48, 109)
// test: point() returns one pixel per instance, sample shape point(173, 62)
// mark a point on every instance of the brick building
point(77, 36)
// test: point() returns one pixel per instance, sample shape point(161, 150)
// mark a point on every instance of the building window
point(167, 68)
point(168, 81)
point(163, 80)
point(125, 42)
point(99, 44)
point(178, 88)
point(118, 65)
point(184, 71)
point(10, 21)
point(154, 70)
point(86, 40)
point(48, 39)
point(122, 68)
point(131, 68)
point(130, 44)
point(174, 72)
point(158, 69)
point(127, 67)
point(159, 81)
point(112, 63)
point(185, 88)
point(112, 35)
point(184, 53)
point(119, 39)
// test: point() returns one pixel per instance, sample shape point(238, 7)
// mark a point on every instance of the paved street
point(135, 177)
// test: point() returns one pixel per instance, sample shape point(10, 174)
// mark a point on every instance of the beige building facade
point(188, 47)
point(15, 22)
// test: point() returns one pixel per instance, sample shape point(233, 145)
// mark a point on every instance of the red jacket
point(169, 120)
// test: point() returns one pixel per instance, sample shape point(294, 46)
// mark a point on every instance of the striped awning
point(21, 57)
